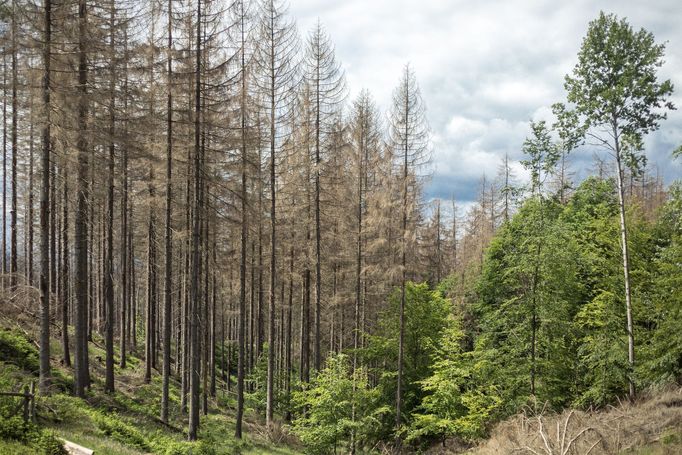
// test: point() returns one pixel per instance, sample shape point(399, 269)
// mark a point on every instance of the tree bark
point(269, 402)
point(109, 254)
point(168, 246)
point(44, 378)
point(65, 295)
point(196, 257)
point(626, 265)
point(241, 329)
point(81, 363)
point(30, 204)
point(125, 295)
point(13, 215)
point(150, 339)
point(4, 169)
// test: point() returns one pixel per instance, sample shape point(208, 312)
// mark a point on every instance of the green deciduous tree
point(618, 100)
point(528, 296)
point(593, 219)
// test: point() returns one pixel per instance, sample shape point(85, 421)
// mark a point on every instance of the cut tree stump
point(74, 449)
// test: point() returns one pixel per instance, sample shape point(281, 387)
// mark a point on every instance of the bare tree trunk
point(150, 342)
point(4, 169)
point(90, 236)
point(44, 380)
point(206, 318)
point(252, 310)
point(225, 361)
point(81, 363)
point(626, 265)
point(507, 189)
point(65, 295)
point(109, 254)
point(168, 246)
point(305, 311)
point(53, 226)
point(30, 214)
point(125, 295)
point(288, 341)
point(241, 329)
point(185, 292)
point(212, 354)
point(358, 257)
point(305, 328)
point(259, 313)
point(132, 294)
point(438, 244)
point(317, 355)
point(196, 259)
point(13, 220)
point(269, 402)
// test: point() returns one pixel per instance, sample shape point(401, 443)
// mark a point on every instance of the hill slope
point(125, 422)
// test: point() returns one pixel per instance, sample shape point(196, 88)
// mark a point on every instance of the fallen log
point(74, 449)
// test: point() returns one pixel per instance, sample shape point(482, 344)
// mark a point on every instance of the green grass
point(15, 448)
point(269, 449)
point(101, 446)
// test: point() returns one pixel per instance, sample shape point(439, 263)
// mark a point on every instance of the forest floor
point(126, 422)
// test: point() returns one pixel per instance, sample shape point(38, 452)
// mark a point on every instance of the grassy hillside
point(124, 423)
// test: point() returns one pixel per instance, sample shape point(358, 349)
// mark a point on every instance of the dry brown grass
point(628, 427)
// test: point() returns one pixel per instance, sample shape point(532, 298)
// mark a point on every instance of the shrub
point(120, 431)
point(48, 443)
point(189, 448)
point(66, 409)
point(14, 428)
point(16, 349)
point(44, 441)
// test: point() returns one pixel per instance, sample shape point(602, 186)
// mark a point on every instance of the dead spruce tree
point(240, 33)
point(409, 136)
point(44, 204)
point(325, 80)
point(276, 78)
point(81, 362)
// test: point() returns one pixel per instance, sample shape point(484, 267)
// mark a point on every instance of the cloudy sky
point(486, 68)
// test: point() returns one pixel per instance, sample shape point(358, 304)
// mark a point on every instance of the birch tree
point(615, 91)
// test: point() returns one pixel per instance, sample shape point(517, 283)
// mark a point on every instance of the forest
point(209, 247)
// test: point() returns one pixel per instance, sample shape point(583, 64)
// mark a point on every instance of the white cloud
point(463, 127)
point(485, 68)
